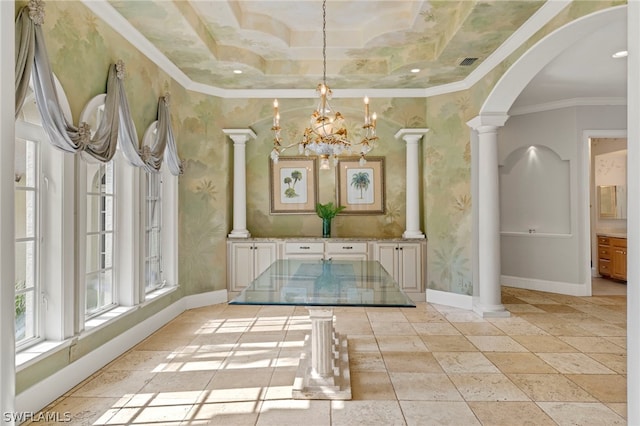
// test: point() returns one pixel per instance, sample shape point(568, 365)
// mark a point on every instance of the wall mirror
point(613, 201)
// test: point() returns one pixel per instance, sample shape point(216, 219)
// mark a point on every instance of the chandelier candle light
point(326, 135)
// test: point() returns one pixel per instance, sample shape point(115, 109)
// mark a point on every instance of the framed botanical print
point(360, 188)
point(294, 185)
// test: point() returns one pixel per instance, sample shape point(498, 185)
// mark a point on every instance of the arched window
point(100, 215)
point(153, 232)
point(29, 134)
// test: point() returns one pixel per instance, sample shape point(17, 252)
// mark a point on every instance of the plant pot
point(326, 228)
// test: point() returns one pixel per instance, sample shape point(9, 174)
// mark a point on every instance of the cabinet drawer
point(604, 267)
point(619, 242)
point(304, 248)
point(603, 240)
point(604, 252)
point(346, 247)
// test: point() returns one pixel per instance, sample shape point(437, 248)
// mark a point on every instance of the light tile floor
point(557, 360)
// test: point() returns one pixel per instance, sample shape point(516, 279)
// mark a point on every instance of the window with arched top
point(99, 248)
point(98, 211)
point(153, 232)
point(152, 240)
point(27, 210)
point(44, 214)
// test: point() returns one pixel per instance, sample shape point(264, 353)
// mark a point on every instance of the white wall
point(543, 190)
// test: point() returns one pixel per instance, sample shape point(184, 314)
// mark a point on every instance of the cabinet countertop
point(612, 234)
point(320, 239)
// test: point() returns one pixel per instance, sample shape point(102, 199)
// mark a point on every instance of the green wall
point(81, 47)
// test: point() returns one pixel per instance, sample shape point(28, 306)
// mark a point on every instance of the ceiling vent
point(468, 61)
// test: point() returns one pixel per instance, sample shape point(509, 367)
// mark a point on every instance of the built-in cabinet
point(403, 259)
point(247, 260)
point(612, 257)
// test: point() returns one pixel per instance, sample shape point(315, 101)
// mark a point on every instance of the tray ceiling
point(370, 44)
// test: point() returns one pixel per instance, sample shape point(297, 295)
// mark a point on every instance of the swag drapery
point(116, 123)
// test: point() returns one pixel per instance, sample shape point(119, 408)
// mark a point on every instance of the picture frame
point(293, 185)
point(360, 189)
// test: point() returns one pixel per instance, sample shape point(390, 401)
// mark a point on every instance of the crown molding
point(568, 103)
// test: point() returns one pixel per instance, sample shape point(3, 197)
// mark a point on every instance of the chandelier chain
point(324, 42)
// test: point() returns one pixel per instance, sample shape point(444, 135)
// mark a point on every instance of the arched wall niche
point(528, 175)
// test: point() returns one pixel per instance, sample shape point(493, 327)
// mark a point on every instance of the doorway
point(607, 183)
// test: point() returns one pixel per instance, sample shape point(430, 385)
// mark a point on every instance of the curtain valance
point(115, 123)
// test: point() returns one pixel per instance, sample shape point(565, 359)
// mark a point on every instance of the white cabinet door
point(410, 267)
point(403, 261)
point(264, 254)
point(247, 260)
point(387, 255)
point(240, 265)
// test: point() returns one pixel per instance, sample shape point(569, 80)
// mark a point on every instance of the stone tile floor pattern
point(557, 360)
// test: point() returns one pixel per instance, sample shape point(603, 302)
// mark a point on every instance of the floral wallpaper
point(294, 116)
point(81, 47)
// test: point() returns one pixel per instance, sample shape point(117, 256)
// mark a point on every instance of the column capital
point(411, 135)
point(240, 135)
point(487, 122)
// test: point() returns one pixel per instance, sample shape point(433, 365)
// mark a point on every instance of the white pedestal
point(323, 372)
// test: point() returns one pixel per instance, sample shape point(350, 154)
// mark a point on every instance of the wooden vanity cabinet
point(619, 258)
point(612, 257)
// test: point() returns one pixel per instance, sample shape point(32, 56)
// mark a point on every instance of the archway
point(499, 103)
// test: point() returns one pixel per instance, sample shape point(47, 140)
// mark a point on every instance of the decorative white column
point(412, 138)
point(240, 137)
point(321, 341)
point(323, 371)
point(488, 302)
point(7, 237)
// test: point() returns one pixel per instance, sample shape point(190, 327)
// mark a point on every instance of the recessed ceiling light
point(415, 70)
point(237, 71)
point(620, 54)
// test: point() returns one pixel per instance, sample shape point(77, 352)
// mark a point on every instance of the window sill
point(100, 321)
point(39, 351)
point(155, 294)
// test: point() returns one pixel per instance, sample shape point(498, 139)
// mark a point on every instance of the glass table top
point(324, 283)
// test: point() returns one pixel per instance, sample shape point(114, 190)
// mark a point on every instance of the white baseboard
point(454, 300)
point(205, 299)
point(570, 289)
point(44, 392)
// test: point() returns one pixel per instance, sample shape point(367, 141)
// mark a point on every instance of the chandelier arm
point(327, 134)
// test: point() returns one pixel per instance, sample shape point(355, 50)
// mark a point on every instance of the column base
point(413, 234)
point(336, 387)
point(491, 311)
point(243, 233)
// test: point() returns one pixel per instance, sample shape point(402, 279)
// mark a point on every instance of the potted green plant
point(326, 212)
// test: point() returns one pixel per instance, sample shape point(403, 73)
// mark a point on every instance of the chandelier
point(326, 134)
